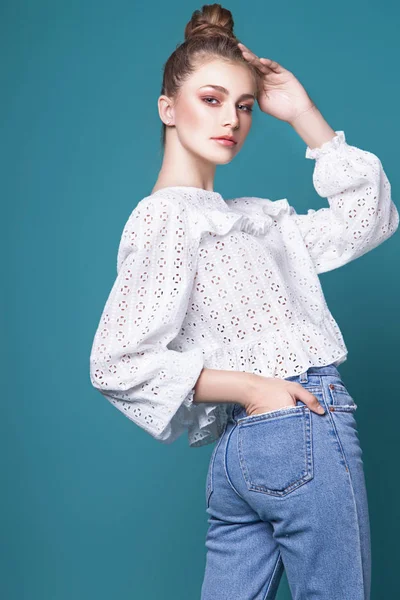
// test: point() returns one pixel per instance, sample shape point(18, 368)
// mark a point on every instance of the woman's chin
point(219, 159)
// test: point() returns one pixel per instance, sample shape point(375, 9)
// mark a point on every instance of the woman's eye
point(248, 108)
point(209, 99)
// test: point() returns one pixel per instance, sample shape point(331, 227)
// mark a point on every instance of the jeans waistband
point(323, 370)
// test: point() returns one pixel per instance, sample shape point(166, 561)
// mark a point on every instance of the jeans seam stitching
point(210, 486)
point(333, 424)
point(359, 554)
point(225, 467)
point(278, 560)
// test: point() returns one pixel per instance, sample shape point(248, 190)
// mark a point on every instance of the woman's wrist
point(215, 385)
point(313, 128)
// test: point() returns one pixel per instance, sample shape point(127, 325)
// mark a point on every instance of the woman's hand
point(271, 393)
point(280, 94)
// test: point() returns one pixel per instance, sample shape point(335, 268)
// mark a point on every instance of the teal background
point(91, 505)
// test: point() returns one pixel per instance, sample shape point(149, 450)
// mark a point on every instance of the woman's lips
point(224, 142)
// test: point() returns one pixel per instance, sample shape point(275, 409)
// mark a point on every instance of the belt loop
point(303, 377)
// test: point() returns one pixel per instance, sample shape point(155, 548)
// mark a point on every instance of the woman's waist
point(292, 343)
point(313, 379)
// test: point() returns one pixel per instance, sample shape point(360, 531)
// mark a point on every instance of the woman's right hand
point(271, 393)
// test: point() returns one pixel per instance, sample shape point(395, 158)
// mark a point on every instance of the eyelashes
point(248, 108)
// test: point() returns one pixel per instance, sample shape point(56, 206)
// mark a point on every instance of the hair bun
point(211, 20)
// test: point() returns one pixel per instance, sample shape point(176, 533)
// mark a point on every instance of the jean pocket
point(275, 450)
point(340, 399)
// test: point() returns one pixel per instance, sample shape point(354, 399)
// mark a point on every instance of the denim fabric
point(286, 490)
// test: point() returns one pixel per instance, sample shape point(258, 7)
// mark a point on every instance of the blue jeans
point(286, 490)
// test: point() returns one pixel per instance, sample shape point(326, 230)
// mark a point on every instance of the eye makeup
point(245, 106)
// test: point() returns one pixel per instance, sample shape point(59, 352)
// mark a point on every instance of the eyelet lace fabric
point(204, 282)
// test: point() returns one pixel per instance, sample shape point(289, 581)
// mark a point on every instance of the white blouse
point(204, 282)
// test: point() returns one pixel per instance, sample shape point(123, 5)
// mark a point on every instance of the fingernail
point(321, 410)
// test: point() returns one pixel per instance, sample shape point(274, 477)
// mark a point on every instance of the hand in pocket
point(271, 393)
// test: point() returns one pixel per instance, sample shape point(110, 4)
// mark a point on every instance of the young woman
point(217, 325)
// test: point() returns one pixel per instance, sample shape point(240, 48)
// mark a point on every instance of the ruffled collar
point(215, 215)
point(258, 214)
point(252, 215)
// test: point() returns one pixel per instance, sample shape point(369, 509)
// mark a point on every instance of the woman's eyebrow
point(222, 89)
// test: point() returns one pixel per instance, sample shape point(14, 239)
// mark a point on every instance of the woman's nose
point(232, 120)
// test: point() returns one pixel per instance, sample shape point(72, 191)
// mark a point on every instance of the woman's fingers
point(254, 60)
point(265, 65)
point(309, 399)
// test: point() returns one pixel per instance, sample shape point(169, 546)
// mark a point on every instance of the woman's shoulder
point(155, 220)
point(162, 207)
point(163, 197)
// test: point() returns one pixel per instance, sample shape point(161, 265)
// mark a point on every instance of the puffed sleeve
point(130, 362)
point(361, 213)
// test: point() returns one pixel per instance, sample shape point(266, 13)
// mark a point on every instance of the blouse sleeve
point(361, 213)
point(130, 362)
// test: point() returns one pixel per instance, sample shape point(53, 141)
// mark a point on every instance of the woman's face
point(202, 112)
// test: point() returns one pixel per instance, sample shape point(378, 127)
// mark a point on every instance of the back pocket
point(275, 450)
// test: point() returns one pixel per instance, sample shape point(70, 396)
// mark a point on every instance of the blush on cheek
point(193, 114)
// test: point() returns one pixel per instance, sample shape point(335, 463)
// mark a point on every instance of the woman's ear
point(165, 110)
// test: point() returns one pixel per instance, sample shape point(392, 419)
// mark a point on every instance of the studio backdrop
point(92, 506)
